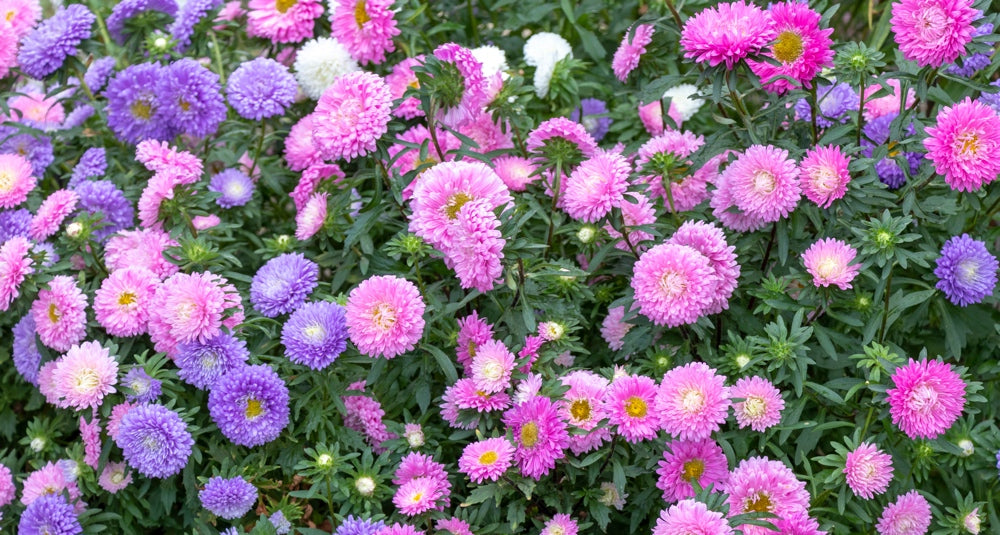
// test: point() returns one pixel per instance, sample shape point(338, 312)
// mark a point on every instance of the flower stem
point(885, 307)
point(260, 149)
point(556, 186)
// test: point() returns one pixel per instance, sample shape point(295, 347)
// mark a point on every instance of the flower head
point(630, 51)
point(761, 406)
point(596, 186)
point(692, 401)
point(283, 284)
point(233, 186)
point(966, 271)
point(487, 459)
point(933, 32)
point(674, 284)
point(727, 33)
point(801, 50)
point(910, 514)
point(16, 180)
point(261, 88)
point(352, 114)
point(828, 261)
point(114, 477)
point(385, 316)
point(762, 485)
point(49, 515)
point(540, 434)
point(365, 27)
point(824, 175)
point(60, 313)
point(135, 107)
point(319, 63)
point(543, 51)
point(15, 265)
point(927, 397)
point(691, 517)
point(44, 50)
point(192, 306)
point(628, 404)
point(965, 145)
point(710, 241)
point(123, 300)
point(686, 462)
point(315, 334)
point(154, 440)
point(250, 405)
point(283, 22)
point(560, 524)
point(764, 183)
point(84, 375)
point(192, 97)
point(868, 470)
point(228, 498)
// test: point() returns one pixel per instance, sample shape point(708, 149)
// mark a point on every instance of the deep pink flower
point(486, 460)
point(675, 147)
point(802, 49)
point(476, 249)
point(693, 401)
point(824, 175)
point(385, 316)
point(286, 21)
point(727, 33)
point(312, 177)
point(709, 240)
point(365, 27)
point(674, 284)
point(564, 129)
point(22, 15)
point(933, 32)
point(868, 470)
point(965, 145)
point(828, 261)
point(636, 212)
point(583, 407)
point(15, 265)
point(473, 96)
point(516, 172)
point(689, 517)
point(301, 150)
point(910, 514)
point(351, 116)
point(417, 496)
point(16, 180)
point(192, 306)
point(631, 50)
point(84, 375)
point(928, 396)
point(121, 305)
point(761, 406)
point(560, 524)
point(628, 404)
point(49, 479)
point(540, 435)
point(90, 434)
point(473, 332)
point(60, 313)
point(762, 485)
point(686, 462)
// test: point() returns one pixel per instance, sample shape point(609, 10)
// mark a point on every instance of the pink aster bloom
point(492, 366)
point(802, 49)
point(933, 32)
point(583, 407)
point(117, 413)
point(365, 27)
point(868, 470)
point(159, 188)
point(473, 332)
point(474, 95)
point(540, 435)
point(22, 15)
point(464, 396)
point(689, 517)
point(60, 313)
point(114, 477)
point(84, 375)
point(879, 106)
point(614, 328)
point(651, 116)
point(561, 128)
point(965, 145)
point(141, 248)
point(560, 524)
point(46, 386)
point(724, 208)
point(762, 485)
point(385, 316)
point(311, 178)
point(16, 180)
point(486, 460)
point(910, 514)
point(727, 33)
point(161, 157)
point(8, 47)
point(674, 284)
point(762, 403)
point(686, 462)
point(310, 219)
point(399, 80)
point(205, 222)
point(15, 265)
point(90, 434)
point(6, 486)
point(928, 396)
point(351, 116)
point(672, 146)
point(301, 150)
point(49, 479)
point(709, 240)
point(121, 305)
point(398, 529)
point(828, 261)
point(453, 525)
point(34, 108)
point(365, 415)
point(476, 250)
point(596, 186)
point(416, 496)
point(628, 404)
point(636, 212)
point(516, 172)
point(192, 306)
point(486, 133)
point(693, 401)
point(764, 182)
point(418, 465)
point(286, 21)
point(404, 159)
point(824, 175)
point(630, 51)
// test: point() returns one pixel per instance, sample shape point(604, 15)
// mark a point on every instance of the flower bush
point(374, 267)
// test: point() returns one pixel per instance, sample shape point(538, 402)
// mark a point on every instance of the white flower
point(542, 51)
point(493, 59)
point(319, 62)
point(682, 96)
point(365, 486)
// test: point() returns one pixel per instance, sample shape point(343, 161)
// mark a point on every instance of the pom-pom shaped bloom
point(829, 262)
point(193, 97)
point(50, 479)
point(491, 367)
point(659, 156)
point(44, 50)
point(674, 284)
point(727, 33)
point(52, 212)
point(562, 138)
point(234, 186)
point(933, 32)
point(319, 63)
point(315, 334)
point(709, 240)
point(353, 525)
point(114, 477)
point(614, 328)
point(203, 363)
point(398, 529)
point(764, 182)
point(123, 300)
point(560, 524)
point(802, 49)
point(27, 357)
point(49, 515)
point(417, 496)
point(135, 108)
point(60, 313)
point(762, 485)
point(154, 440)
point(6, 486)
point(692, 401)
point(486, 460)
point(596, 186)
point(283, 284)
point(689, 517)
point(630, 51)
point(473, 331)
point(283, 22)
point(365, 27)
point(966, 271)
point(461, 66)
point(192, 306)
point(364, 415)
point(250, 405)
point(385, 316)
point(228, 498)
point(965, 144)
point(583, 407)
point(868, 471)
point(824, 175)
point(477, 246)
point(910, 514)
point(84, 375)
point(686, 462)
point(261, 88)
point(16, 180)
point(928, 396)
point(628, 404)
point(15, 265)
point(140, 248)
point(540, 434)
point(761, 406)
point(351, 115)
point(543, 51)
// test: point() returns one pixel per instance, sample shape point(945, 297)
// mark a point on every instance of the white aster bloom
point(542, 51)
point(319, 62)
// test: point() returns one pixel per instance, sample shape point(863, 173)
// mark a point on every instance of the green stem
point(674, 14)
point(556, 185)
point(218, 58)
point(260, 149)
point(885, 307)
point(625, 235)
point(990, 212)
point(103, 29)
point(861, 111)
point(868, 421)
point(814, 105)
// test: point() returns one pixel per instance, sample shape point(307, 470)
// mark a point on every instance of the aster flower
point(35, 147)
point(141, 248)
point(543, 51)
point(686, 462)
point(910, 514)
point(260, 88)
point(128, 9)
point(351, 115)
point(228, 498)
point(8, 48)
point(689, 516)
point(592, 114)
point(49, 515)
point(709, 240)
point(154, 440)
point(824, 175)
point(763, 485)
point(399, 81)
point(21, 15)
point(966, 271)
point(727, 33)
point(473, 332)
point(365, 27)
point(927, 397)
point(51, 213)
point(319, 63)
point(868, 471)
point(491, 367)
point(477, 246)
point(761, 406)
point(628, 404)
point(596, 186)
point(764, 183)
point(486, 460)
point(540, 434)
point(489, 135)
point(192, 306)
point(802, 49)
point(44, 50)
point(48, 480)
point(14, 223)
point(965, 145)
point(614, 328)
point(93, 163)
point(353, 525)
point(692, 401)
point(828, 261)
point(135, 109)
point(454, 526)
point(877, 132)
point(140, 387)
point(203, 363)
point(561, 137)
point(104, 198)
point(233, 186)
point(315, 334)
point(636, 213)
point(90, 435)
point(16, 180)
point(833, 103)
point(35, 109)
point(460, 67)
point(192, 98)
point(416, 496)
point(560, 524)
point(15, 265)
point(26, 355)
point(283, 284)
point(300, 149)
point(933, 32)
point(250, 405)
point(188, 15)
point(312, 216)
point(60, 314)
point(629, 52)
point(84, 375)
point(385, 316)
point(398, 529)
point(660, 158)
point(674, 284)
point(365, 415)
point(114, 477)
point(282, 22)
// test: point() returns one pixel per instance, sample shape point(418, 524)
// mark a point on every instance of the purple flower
point(154, 440)
point(203, 363)
point(991, 99)
point(77, 117)
point(192, 98)
point(100, 70)
point(135, 111)
point(966, 270)
point(92, 163)
point(49, 514)
point(877, 131)
point(234, 185)
point(48, 45)
point(14, 223)
point(102, 196)
point(834, 103)
point(37, 149)
point(126, 9)
point(261, 88)
point(187, 17)
point(353, 525)
point(280, 523)
point(250, 405)
point(283, 284)
point(973, 63)
point(27, 358)
point(595, 119)
point(48, 250)
point(140, 387)
point(228, 498)
point(315, 335)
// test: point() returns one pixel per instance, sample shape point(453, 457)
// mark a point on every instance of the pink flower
point(965, 145)
point(486, 460)
point(310, 219)
point(762, 485)
point(365, 27)
point(877, 107)
point(561, 128)
point(117, 413)
point(928, 396)
point(828, 261)
point(301, 150)
point(385, 316)
point(90, 434)
point(724, 208)
point(15, 265)
point(824, 175)
point(141, 248)
point(454, 526)
point(487, 134)
point(560, 524)
point(84, 375)
point(351, 116)
point(114, 477)
point(868, 471)
point(160, 157)
point(16, 180)
point(596, 186)
point(802, 49)
point(60, 313)
point(473, 332)
point(910, 514)
point(477, 246)
point(122, 302)
point(764, 183)
point(686, 462)
point(651, 116)
point(49, 479)
point(693, 401)
point(405, 159)
point(727, 33)
point(473, 96)
point(492, 366)
point(709, 240)
point(22, 15)
point(614, 328)
point(674, 284)
point(205, 222)
point(628, 404)
point(689, 517)
point(628, 54)
point(6, 486)
point(46, 386)
point(285, 21)
point(583, 407)
point(761, 406)
point(399, 80)
point(420, 466)
point(311, 179)
point(192, 306)
point(540, 435)
point(8, 47)
point(35, 109)
point(516, 172)
point(365, 415)
point(933, 32)
point(668, 152)
point(417, 496)
point(636, 212)
point(464, 396)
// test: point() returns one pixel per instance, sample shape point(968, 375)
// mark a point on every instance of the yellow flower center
point(764, 182)
point(673, 284)
point(384, 316)
point(968, 143)
point(472, 348)
point(580, 410)
point(788, 48)
point(126, 298)
point(455, 203)
point(284, 5)
point(693, 470)
point(635, 407)
point(141, 110)
point(893, 147)
point(754, 407)
point(361, 14)
point(54, 314)
point(759, 503)
point(10, 15)
point(185, 105)
point(529, 434)
point(417, 497)
point(6, 181)
point(254, 409)
point(827, 268)
point(488, 458)
point(117, 477)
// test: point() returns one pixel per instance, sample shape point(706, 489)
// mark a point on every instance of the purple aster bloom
point(27, 358)
point(102, 196)
point(49, 514)
point(192, 97)
point(877, 133)
point(228, 498)
point(37, 149)
point(973, 63)
point(283, 283)
point(230, 531)
point(154, 440)
point(135, 112)
point(92, 163)
point(47, 249)
point(234, 185)
point(99, 71)
point(992, 99)
point(126, 9)
point(187, 17)
point(140, 387)
point(595, 119)
point(280, 523)
point(77, 117)
point(966, 270)
point(45, 49)
point(261, 88)
point(14, 223)
point(359, 526)
point(250, 405)
point(834, 103)
point(203, 363)
point(315, 335)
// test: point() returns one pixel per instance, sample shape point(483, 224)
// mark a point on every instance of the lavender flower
point(834, 103)
point(261, 88)
point(192, 98)
point(49, 514)
point(14, 223)
point(353, 525)
point(187, 17)
point(203, 363)
point(595, 119)
point(250, 405)
point(992, 99)
point(140, 387)
point(966, 270)
point(234, 185)
point(100, 70)
point(280, 523)
point(283, 284)
point(228, 498)
point(126, 9)
point(37, 149)
point(45, 49)
point(92, 163)
point(102, 196)
point(154, 440)
point(27, 358)
point(135, 111)
point(315, 335)
point(77, 117)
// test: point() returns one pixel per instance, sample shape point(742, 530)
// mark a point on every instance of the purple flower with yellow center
point(140, 387)
point(250, 405)
point(135, 109)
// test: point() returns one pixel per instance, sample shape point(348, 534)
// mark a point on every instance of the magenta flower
point(351, 116)
point(630, 51)
point(674, 284)
point(965, 144)
point(727, 33)
point(491, 367)
point(385, 316)
point(868, 470)
point(192, 306)
point(486, 460)
point(686, 462)
point(764, 183)
point(540, 434)
point(933, 32)
point(829, 262)
point(628, 404)
point(122, 302)
point(288, 21)
point(60, 313)
point(16, 180)
point(15, 265)
point(583, 407)
point(928, 396)
point(365, 27)
point(693, 401)
point(762, 485)
point(709, 240)
point(802, 49)
point(910, 514)
point(51, 213)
